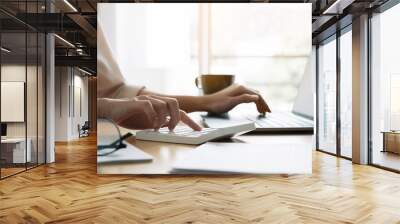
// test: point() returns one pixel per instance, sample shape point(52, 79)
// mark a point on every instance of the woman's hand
point(146, 112)
point(228, 98)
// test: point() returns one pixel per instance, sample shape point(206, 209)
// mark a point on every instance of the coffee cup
point(212, 83)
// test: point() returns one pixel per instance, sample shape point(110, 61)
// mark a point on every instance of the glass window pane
point(32, 89)
point(41, 98)
point(31, 98)
point(261, 52)
point(346, 94)
point(260, 57)
point(23, 90)
point(169, 63)
point(385, 88)
point(13, 87)
point(258, 73)
point(327, 96)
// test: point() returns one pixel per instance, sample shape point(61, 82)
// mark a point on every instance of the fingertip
point(192, 124)
point(264, 108)
point(197, 128)
point(189, 122)
point(171, 127)
point(261, 111)
point(155, 125)
point(268, 109)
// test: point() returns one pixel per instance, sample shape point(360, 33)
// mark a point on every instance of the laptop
point(300, 119)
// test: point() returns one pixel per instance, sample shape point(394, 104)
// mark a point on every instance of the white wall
point(17, 73)
point(69, 82)
point(79, 117)
point(14, 73)
point(33, 126)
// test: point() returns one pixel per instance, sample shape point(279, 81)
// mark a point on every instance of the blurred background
point(165, 46)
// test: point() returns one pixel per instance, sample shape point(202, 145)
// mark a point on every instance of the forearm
point(186, 103)
point(121, 91)
point(191, 103)
point(128, 91)
point(110, 108)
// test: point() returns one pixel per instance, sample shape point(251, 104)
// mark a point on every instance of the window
point(262, 53)
point(335, 73)
point(185, 40)
point(385, 86)
point(22, 88)
point(327, 96)
point(346, 93)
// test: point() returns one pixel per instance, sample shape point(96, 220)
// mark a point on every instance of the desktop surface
point(164, 154)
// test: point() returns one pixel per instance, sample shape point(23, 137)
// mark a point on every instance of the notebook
point(249, 158)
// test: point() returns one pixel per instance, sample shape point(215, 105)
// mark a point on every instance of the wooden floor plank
point(70, 191)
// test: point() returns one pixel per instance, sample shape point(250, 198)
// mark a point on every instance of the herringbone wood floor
point(69, 191)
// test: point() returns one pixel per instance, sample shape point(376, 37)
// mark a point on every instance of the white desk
point(164, 154)
point(18, 149)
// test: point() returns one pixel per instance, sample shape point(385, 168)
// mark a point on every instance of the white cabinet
point(17, 148)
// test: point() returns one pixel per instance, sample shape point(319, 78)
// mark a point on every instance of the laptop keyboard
point(280, 120)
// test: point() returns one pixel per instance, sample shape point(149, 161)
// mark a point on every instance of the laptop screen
point(304, 103)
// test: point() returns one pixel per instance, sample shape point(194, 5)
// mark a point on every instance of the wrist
point(102, 108)
point(203, 103)
point(112, 108)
